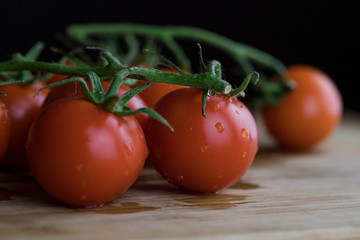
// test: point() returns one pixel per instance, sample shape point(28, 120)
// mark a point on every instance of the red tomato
point(155, 91)
point(5, 125)
point(68, 90)
point(82, 155)
point(23, 108)
point(202, 154)
point(309, 113)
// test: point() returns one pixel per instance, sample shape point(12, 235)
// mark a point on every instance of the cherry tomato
point(5, 125)
point(68, 90)
point(23, 108)
point(82, 155)
point(155, 91)
point(202, 154)
point(308, 114)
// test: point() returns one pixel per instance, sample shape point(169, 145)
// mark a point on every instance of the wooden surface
point(284, 195)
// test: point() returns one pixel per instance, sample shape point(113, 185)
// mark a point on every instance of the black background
point(319, 33)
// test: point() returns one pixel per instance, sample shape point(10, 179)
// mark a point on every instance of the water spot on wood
point(119, 208)
point(244, 185)
point(214, 201)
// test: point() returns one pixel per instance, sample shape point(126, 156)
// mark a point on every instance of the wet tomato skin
point(82, 155)
point(202, 155)
point(308, 114)
point(5, 126)
point(23, 107)
point(71, 90)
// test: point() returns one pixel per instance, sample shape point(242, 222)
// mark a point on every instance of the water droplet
point(80, 167)
point(237, 112)
point(244, 133)
point(197, 98)
point(204, 148)
point(216, 187)
point(180, 178)
point(219, 127)
point(216, 106)
point(189, 129)
point(127, 172)
point(244, 155)
point(250, 137)
point(129, 149)
point(220, 176)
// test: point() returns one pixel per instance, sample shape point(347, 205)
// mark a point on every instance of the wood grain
point(284, 195)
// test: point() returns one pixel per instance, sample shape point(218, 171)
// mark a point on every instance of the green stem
point(205, 80)
point(234, 49)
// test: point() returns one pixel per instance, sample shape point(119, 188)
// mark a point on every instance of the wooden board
point(284, 195)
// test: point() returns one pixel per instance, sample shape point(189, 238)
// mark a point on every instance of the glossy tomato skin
point(202, 155)
point(5, 126)
point(82, 155)
point(155, 91)
point(308, 114)
point(23, 107)
point(71, 90)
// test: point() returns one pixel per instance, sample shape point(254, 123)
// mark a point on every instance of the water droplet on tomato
point(250, 137)
point(216, 106)
point(219, 127)
point(180, 178)
point(237, 112)
point(204, 148)
point(128, 149)
point(244, 155)
point(244, 133)
point(197, 98)
point(80, 167)
point(127, 173)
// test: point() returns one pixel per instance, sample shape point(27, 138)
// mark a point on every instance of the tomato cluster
point(85, 156)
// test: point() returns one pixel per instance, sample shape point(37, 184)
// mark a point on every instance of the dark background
point(319, 33)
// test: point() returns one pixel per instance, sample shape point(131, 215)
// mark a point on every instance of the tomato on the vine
point(155, 91)
point(5, 124)
point(23, 107)
point(309, 113)
point(74, 89)
point(202, 154)
point(83, 155)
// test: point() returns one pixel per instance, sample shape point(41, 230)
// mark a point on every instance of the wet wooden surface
point(284, 195)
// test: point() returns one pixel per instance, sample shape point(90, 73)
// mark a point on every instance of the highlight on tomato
point(308, 114)
point(202, 154)
point(23, 107)
point(5, 125)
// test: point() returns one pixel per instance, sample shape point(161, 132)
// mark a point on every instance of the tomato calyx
point(109, 100)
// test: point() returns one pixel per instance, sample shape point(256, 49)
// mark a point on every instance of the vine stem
point(205, 80)
point(236, 50)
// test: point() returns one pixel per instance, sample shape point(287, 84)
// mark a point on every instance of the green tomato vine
point(116, 66)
